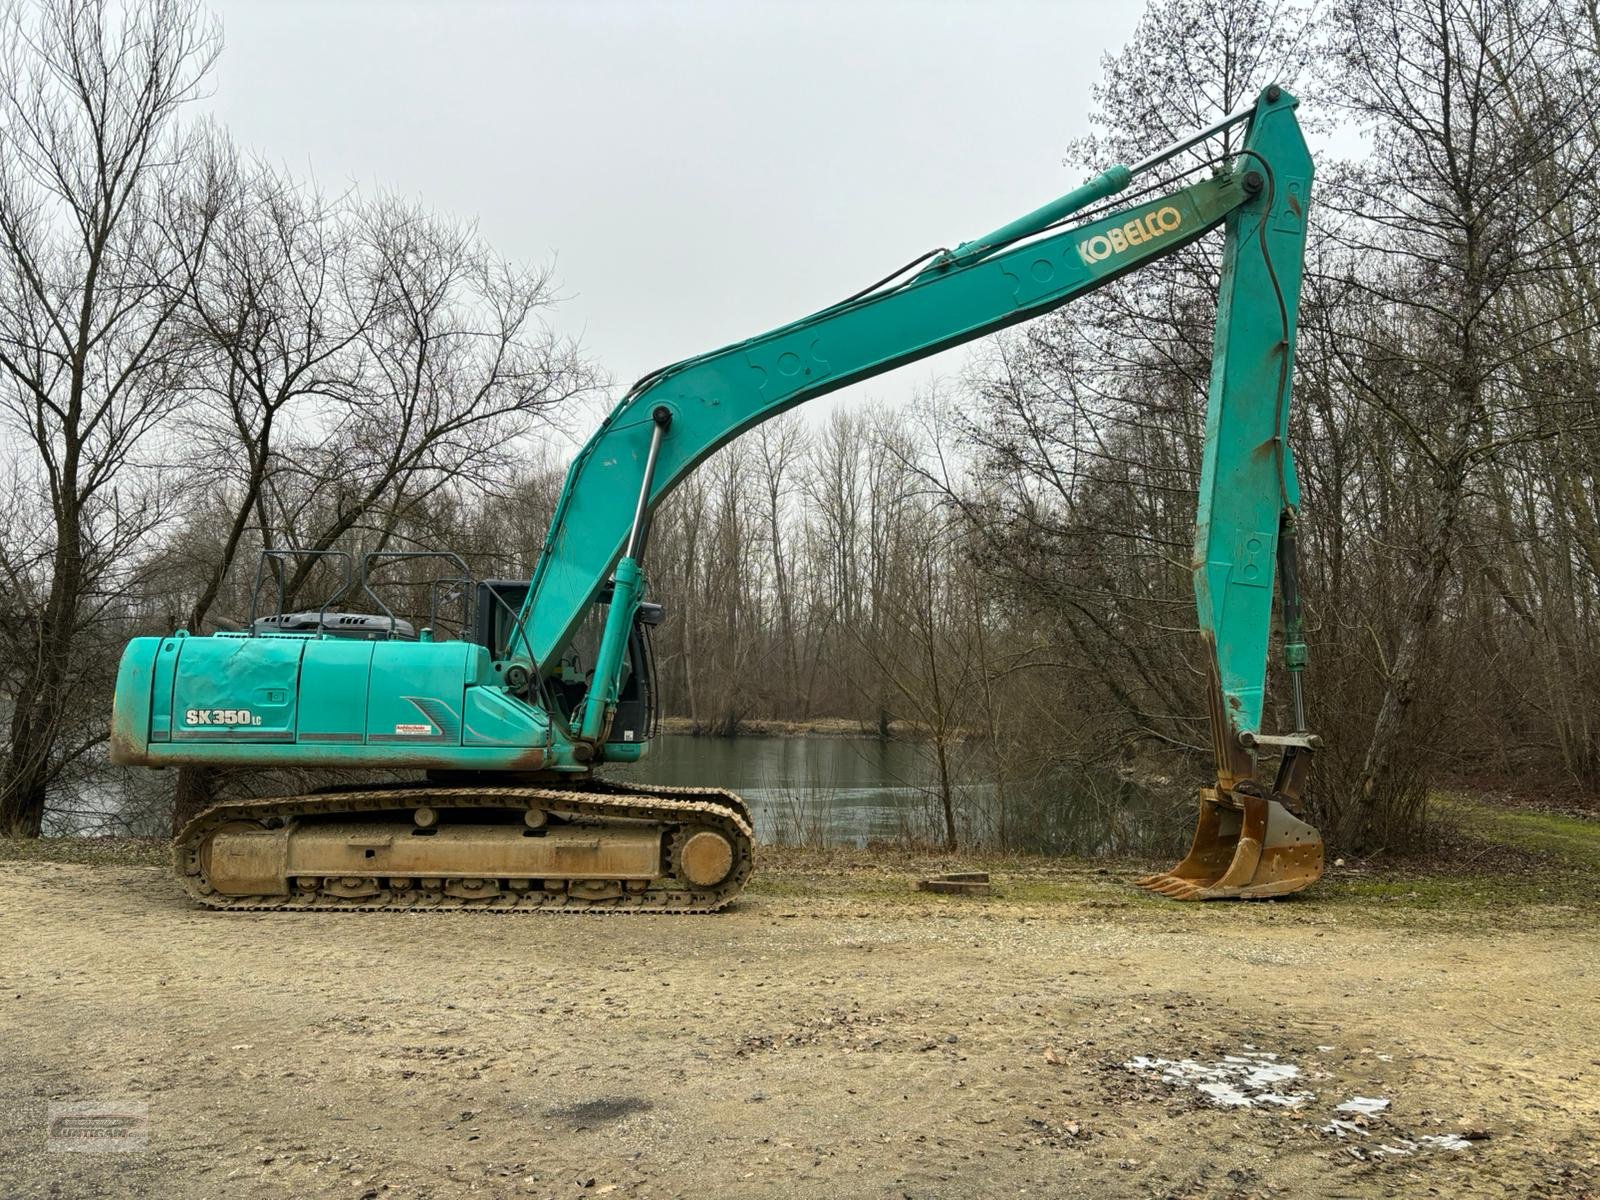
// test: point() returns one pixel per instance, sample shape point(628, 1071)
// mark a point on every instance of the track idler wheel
point(1246, 847)
point(706, 858)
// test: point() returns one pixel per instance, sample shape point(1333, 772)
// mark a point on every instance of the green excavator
point(497, 734)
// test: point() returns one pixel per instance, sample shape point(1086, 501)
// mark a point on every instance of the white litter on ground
point(1255, 1078)
point(1238, 1081)
point(1402, 1147)
point(1363, 1106)
point(1341, 1129)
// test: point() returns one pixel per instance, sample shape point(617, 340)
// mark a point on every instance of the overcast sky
point(699, 172)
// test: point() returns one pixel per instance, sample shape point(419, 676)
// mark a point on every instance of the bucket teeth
point(1247, 849)
point(1167, 885)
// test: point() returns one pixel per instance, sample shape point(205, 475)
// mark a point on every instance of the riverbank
point(824, 727)
point(835, 1034)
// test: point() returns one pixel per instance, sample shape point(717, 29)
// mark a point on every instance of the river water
point(850, 790)
point(854, 791)
point(824, 790)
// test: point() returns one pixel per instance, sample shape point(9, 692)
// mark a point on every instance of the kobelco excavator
point(500, 729)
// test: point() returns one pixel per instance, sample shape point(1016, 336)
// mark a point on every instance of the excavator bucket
point(1246, 847)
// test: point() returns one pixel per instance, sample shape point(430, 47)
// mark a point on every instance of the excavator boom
point(507, 724)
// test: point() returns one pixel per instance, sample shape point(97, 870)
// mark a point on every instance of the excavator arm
point(674, 418)
point(708, 401)
point(1248, 843)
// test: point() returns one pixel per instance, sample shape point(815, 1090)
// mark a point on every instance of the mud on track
point(841, 1046)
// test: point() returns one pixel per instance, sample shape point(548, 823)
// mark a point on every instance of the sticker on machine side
point(414, 730)
point(220, 716)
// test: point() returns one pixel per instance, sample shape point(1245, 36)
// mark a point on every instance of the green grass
point(1473, 892)
point(1534, 884)
point(1569, 839)
point(1397, 896)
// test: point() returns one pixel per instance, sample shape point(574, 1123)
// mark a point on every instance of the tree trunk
point(25, 777)
point(195, 791)
point(22, 794)
point(947, 799)
point(1376, 780)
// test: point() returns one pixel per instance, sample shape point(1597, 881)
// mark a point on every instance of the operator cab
point(495, 618)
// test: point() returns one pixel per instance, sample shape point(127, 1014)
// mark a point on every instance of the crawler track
point(596, 804)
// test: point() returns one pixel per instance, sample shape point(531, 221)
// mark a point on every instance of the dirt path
point(844, 1046)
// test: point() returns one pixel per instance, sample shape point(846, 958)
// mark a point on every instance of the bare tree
point(274, 314)
point(779, 446)
point(923, 666)
point(457, 367)
point(1451, 227)
point(373, 368)
point(93, 246)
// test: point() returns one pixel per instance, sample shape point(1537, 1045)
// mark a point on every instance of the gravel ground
point(870, 1045)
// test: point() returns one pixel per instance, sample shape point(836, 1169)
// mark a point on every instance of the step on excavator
point(499, 727)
